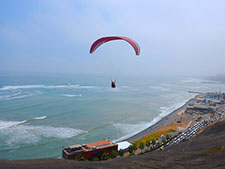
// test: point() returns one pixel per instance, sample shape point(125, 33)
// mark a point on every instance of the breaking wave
point(7, 124)
point(16, 132)
point(71, 95)
point(46, 87)
point(14, 96)
point(192, 80)
point(132, 129)
point(40, 118)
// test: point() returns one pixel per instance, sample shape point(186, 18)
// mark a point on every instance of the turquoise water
point(39, 114)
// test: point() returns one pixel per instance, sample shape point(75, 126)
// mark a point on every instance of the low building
point(198, 109)
point(90, 150)
point(123, 145)
point(201, 100)
point(213, 95)
point(214, 102)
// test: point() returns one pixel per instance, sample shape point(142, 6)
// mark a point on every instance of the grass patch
point(155, 135)
point(171, 130)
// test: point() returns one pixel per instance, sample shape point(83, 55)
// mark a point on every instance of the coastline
point(168, 119)
point(179, 156)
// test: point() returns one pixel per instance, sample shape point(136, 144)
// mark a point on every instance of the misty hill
point(206, 150)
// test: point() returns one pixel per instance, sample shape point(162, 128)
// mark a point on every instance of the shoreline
point(175, 158)
point(168, 119)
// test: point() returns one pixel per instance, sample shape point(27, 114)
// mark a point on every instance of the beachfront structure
point(198, 109)
point(90, 150)
point(201, 100)
point(214, 102)
point(217, 95)
point(123, 145)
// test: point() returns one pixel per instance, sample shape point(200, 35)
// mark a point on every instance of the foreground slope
point(207, 150)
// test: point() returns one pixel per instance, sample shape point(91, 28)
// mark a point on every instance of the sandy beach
point(169, 119)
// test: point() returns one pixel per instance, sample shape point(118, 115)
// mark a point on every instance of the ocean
point(41, 114)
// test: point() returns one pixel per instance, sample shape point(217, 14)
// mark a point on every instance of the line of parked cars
point(190, 131)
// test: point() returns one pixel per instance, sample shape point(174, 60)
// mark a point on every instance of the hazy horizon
point(182, 38)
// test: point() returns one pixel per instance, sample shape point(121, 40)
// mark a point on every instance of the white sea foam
point(26, 134)
point(71, 95)
point(46, 87)
point(7, 124)
point(192, 80)
point(40, 118)
point(20, 97)
point(10, 95)
point(132, 129)
point(14, 96)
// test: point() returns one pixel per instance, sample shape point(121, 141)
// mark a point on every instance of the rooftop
point(89, 146)
point(74, 146)
point(123, 145)
point(102, 143)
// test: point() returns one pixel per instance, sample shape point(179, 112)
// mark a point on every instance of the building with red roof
point(90, 150)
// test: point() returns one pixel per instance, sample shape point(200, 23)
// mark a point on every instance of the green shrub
point(131, 149)
point(140, 153)
point(105, 156)
point(141, 146)
point(147, 143)
point(95, 159)
point(153, 142)
point(131, 154)
point(80, 157)
point(135, 146)
point(113, 154)
point(121, 152)
point(85, 159)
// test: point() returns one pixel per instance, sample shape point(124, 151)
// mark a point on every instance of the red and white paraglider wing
point(100, 41)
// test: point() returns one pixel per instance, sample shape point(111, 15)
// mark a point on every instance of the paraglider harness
point(114, 84)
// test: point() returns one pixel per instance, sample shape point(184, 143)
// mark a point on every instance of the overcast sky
point(176, 37)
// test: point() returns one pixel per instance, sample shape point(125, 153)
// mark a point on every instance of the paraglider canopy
point(102, 40)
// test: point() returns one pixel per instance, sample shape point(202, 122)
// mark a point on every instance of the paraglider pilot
point(106, 39)
point(114, 84)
